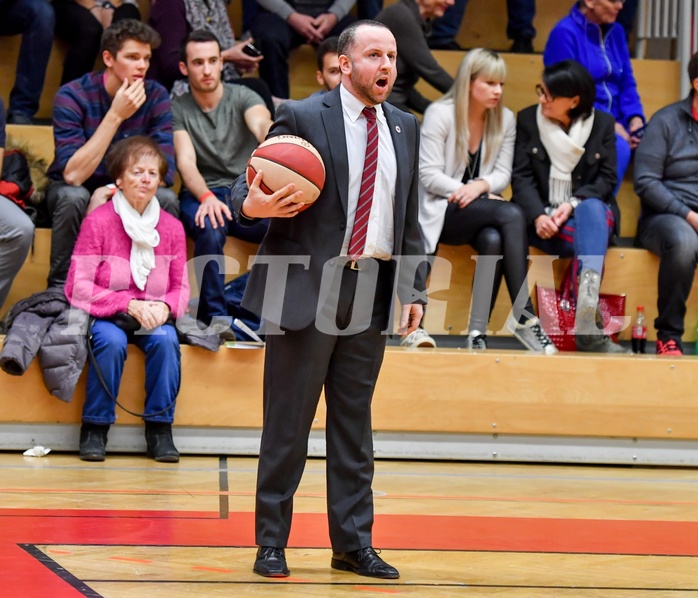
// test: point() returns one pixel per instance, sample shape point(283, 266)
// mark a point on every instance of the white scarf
point(141, 229)
point(564, 150)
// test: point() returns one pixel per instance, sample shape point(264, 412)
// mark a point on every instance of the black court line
point(64, 574)
point(223, 498)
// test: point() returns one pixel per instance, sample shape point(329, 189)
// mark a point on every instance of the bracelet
point(206, 195)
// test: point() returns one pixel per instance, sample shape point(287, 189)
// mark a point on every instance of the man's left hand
point(410, 318)
point(215, 209)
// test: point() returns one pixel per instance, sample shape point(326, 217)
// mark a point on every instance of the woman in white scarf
point(564, 175)
point(129, 272)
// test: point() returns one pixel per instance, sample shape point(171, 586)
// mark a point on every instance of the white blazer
point(441, 170)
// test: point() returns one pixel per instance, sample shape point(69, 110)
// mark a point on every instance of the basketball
point(288, 159)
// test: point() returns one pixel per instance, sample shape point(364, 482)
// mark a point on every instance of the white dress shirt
point(380, 233)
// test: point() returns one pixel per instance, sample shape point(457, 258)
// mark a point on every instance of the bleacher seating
point(437, 392)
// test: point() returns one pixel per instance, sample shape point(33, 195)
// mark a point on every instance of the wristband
point(112, 188)
point(206, 195)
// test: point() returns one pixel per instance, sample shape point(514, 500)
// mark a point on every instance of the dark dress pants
point(297, 366)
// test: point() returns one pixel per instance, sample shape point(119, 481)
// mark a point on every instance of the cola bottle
point(639, 331)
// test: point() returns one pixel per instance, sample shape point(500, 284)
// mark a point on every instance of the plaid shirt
point(81, 105)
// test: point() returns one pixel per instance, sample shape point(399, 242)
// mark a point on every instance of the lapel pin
point(398, 129)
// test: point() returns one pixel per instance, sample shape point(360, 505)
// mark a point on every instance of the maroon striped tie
point(363, 206)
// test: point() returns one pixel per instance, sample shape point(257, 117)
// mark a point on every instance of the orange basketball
point(288, 159)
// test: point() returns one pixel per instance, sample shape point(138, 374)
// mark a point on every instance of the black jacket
point(594, 176)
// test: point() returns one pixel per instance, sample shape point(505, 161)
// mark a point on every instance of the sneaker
point(522, 45)
point(19, 118)
point(476, 340)
point(669, 348)
point(532, 336)
point(418, 338)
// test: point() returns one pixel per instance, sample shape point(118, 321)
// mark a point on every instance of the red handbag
point(557, 310)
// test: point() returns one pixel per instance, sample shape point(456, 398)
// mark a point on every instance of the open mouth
point(382, 82)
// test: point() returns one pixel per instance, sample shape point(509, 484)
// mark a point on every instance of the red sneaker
point(669, 348)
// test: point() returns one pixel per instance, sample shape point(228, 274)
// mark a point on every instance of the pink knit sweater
point(100, 282)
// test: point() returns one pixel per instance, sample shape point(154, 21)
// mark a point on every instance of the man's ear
point(183, 69)
point(344, 64)
point(108, 59)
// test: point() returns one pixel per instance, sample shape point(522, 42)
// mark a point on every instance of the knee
point(163, 341)
point(41, 15)
point(489, 242)
point(682, 244)
point(109, 340)
point(69, 201)
point(591, 208)
point(168, 201)
point(512, 213)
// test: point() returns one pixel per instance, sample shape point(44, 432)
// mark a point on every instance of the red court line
point(415, 532)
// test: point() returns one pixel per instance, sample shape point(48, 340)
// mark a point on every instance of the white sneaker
point(532, 336)
point(418, 338)
point(476, 340)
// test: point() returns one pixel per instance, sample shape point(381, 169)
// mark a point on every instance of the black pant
point(492, 228)
point(83, 33)
point(675, 241)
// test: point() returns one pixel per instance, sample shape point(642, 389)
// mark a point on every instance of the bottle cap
point(640, 308)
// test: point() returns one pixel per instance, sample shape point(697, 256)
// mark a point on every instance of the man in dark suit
point(326, 297)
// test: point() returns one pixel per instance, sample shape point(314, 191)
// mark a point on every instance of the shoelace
point(541, 336)
point(665, 347)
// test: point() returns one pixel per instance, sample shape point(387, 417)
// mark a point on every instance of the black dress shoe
point(93, 442)
point(522, 45)
point(364, 562)
point(271, 562)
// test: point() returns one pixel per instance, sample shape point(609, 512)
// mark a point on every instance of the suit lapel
point(333, 121)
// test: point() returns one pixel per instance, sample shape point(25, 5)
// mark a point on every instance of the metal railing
point(673, 20)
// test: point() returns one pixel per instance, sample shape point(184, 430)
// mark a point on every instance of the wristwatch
point(107, 4)
point(574, 202)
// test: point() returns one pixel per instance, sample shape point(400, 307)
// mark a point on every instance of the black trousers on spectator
point(496, 228)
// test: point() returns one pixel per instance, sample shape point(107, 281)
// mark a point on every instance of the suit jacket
point(317, 233)
point(594, 176)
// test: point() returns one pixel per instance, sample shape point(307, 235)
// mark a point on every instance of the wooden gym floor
point(129, 527)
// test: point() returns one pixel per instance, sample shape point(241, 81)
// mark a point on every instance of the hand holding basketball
point(286, 159)
point(284, 203)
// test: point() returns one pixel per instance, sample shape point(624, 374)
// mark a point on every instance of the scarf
point(141, 229)
point(564, 150)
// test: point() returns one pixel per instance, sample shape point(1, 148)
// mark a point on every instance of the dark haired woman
point(563, 178)
point(130, 258)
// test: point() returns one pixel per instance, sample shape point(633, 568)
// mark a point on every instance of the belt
point(359, 264)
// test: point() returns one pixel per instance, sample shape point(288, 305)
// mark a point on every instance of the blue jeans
point(34, 20)
point(209, 241)
point(673, 239)
point(521, 14)
point(162, 372)
point(445, 29)
point(584, 236)
point(623, 155)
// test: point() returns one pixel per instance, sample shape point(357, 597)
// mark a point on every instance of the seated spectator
point(328, 74)
point(217, 126)
point(34, 20)
point(466, 154)
point(174, 20)
point(130, 264)
point(520, 29)
point(564, 176)
point(591, 36)
point(16, 228)
point(81, 23)
point(666, 179)
point(280, 26)
point(90, 114)
point(409, 21)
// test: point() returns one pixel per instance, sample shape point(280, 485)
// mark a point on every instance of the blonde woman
point(466, 156)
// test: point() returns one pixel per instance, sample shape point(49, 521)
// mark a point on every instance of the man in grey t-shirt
point(216, 128)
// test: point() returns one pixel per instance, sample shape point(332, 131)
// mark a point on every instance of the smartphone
point(250, 50)
point(640, 132)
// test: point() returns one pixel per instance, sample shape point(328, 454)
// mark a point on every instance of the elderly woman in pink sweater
point(129, 272)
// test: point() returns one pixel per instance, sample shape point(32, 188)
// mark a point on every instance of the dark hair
point(116, 35)
point(328, 46)
point(693, 68)
point(347, 38)
point(127, 151)
point(198, 36)
point(567, 79)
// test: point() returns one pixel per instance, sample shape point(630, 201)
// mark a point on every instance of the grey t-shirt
point(221, 139)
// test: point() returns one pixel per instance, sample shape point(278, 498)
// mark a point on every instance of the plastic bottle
point(639, 331)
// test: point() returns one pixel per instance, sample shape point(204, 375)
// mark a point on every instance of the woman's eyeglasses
point(541, 93)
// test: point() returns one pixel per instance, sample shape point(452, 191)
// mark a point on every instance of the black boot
point(161, 447)
point(93, 442)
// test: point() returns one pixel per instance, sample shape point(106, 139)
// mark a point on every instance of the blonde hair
point(479, 62)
